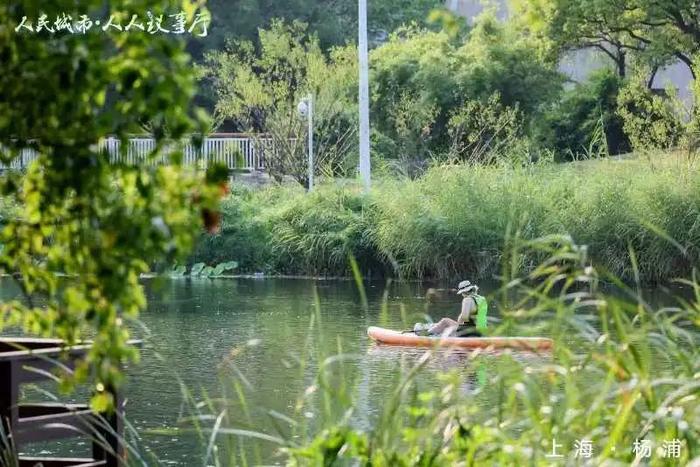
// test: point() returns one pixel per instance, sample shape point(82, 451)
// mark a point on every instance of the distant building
point(578, 65)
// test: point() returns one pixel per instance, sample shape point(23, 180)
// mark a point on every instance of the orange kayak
point(409, 339)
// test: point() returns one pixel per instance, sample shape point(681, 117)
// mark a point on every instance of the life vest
point(482, 308)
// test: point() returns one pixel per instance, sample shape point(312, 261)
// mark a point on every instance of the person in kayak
point(471, 321)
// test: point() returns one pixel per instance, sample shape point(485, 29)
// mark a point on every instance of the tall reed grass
point(454, 221)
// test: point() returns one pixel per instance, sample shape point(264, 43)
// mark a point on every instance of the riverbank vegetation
point(488, 96)
point(476, 135)
point(455, 219)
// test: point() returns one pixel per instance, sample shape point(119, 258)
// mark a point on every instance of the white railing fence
point(237, 152)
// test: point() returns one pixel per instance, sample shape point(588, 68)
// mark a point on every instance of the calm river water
point(194, 331)
point(195, 324)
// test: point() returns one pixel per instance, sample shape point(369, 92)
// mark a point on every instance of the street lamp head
point(303, 108)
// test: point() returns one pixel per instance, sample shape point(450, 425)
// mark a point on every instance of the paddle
point(414, 331)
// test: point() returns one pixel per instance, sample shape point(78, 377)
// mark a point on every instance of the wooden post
point(9, 395)
point(20, 358)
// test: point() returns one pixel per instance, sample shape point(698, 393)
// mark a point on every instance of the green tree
point(259, 89)
point(656, 31)
point(576, 120)
point(497, 58)
point(484, 131)
point(649, 119)
point(442, 72)
point(667, 27)
point(101, 224)
point(333, 22)
point(565, 25)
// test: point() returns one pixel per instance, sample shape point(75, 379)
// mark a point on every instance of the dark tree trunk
point(622, 63)
point(650, 81)
point(685, 59)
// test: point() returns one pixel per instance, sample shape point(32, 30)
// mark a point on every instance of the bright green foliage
point(97, 223)
point(691, 140)
point(284, 230)
point(412, 89)
point(650, 121)
point(243, 237)
point(535, 18)
point(409, 146)
point(454, 221)
point(575, 120)
point(204, 271)
point(484, 131)
point(439, 74)
point(8, 210)
point(334, 22)
point(497, 58)
point(317, 232)
point(260, 90)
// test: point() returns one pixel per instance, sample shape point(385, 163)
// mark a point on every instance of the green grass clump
point(316, 233)
point(242, 235)
point(454, 220)
point(284, 230)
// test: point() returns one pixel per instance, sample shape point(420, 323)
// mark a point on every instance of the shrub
point(649, 119)
point(583, 112)
point(259, 90)
point(484, 131)
point(284, 230)
point(316, 233)
point(454, 221)
point(243, 237)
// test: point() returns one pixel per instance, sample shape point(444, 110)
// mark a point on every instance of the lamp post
point(365, 168)
point(306, 109)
